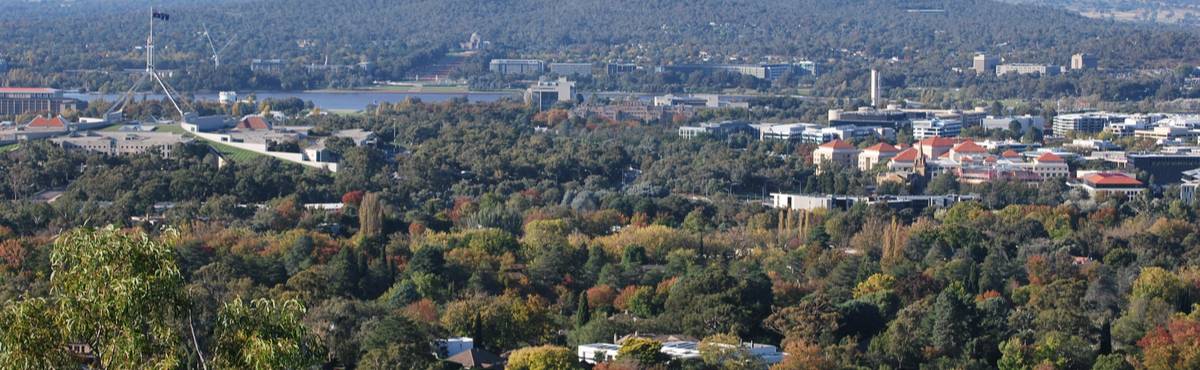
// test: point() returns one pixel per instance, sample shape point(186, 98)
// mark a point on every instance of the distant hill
point(1183, 12)
point(93, 33)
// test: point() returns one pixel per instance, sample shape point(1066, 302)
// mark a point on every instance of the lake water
point(331, 100)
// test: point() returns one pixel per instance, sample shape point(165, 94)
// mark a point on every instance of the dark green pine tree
point(583, 313)
point(954, 317)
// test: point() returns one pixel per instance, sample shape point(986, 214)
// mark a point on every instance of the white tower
point(874, 88)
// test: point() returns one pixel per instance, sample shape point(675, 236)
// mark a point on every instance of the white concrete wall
point(298, 158)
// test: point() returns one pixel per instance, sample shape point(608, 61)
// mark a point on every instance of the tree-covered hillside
point(51, 36)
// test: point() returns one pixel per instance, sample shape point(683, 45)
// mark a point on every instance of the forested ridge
point(48, 38)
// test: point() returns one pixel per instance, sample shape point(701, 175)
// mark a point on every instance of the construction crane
point(216, 53)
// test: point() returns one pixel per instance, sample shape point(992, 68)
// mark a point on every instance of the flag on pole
point(163, 16)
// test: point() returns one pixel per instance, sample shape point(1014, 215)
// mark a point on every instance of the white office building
point(517, 66)
point(924, 129)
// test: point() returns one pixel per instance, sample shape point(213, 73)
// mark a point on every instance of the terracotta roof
point(1049, 157)
point(1010, 154)
point(1111, 179)
point(969, 147)
point(43, 122)
point(883, 148)
point(837, 144)
point(908, 155)
point(475, 357)
point(254, 123)
point(938, 141)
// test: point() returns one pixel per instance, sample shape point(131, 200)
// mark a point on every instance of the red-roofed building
point(1050, 166)
point(907, 162)
point(874, 155)
point(1113, 183)
point(968, 150)
point(1049, 157)
point(836, 152)
point(1010, 154)
point(253, 123)
point(48, 123)
point(934, 147)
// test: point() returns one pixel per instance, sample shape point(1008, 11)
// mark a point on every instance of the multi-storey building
point(545, 93)
point(1083, 61)
point(267, 65)
point(517, 66)
point(923, 129)
point(619, 68)
point(835, 153)
point(715, 129)
point(120, 143)
point(765, 71)
point(632, 110)
point(17, 101)
point(1025, 123)
point(984, 64)
point(874, 155)
point(1110, 183)
point(1086, 123)
point(1028, 69)
point(571, 69)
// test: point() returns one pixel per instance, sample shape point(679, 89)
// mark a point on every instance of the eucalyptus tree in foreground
point(116, 301)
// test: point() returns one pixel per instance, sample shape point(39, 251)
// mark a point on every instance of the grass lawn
point(231, 153)
point(9, 147)
point(234, 154)
point(174, 129)
point(344, 112)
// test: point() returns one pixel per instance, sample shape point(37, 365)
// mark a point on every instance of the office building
point(715, 129)
point(788, 132)
point(571, 69)
point(545, 93)
point(1164, 168)
point(122, 143)
point(1166, 134)
point(984, 64)
point(17, 101)
point(1083, 61)
point(632, 109)
point(816, 202)
point(677, 351)
point(1085, 123)
point(937, 127)
point(765, 71)
point(267, 65)
point(1028, 69)
point(805, 67)
point(1024, 123)
point(516, 66)
point(619, 68)
point(867, 116)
